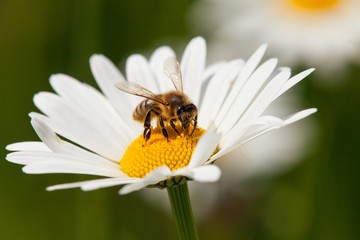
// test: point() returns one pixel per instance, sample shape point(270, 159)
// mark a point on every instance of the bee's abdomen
point(142, 109)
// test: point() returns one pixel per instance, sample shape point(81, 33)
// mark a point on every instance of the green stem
point(182, 211)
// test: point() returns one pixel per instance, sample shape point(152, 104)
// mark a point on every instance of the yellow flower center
point(142, 157)
point(314, 4)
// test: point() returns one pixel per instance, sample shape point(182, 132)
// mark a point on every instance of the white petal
point(192, 66)
point(204, 148)
point(57, 145)
point(262, 100)
point(206, 77)
point(247, 94)
point(60, 163)
point(94, 185)
point(84, 136)
point(207, 173)
point(211, 70)
point(23, 158)
point(263, 125)
point(299, 115)
point(217, 90)
point(28, 146)
point(266, 96)
point(139, 71)
point(240, 81)
point(153, 177)
point(132, 187)
point(157, 60)
point(88, 184)
point(29, 157)
point(107, 75)
point(204, 173)
point(94, 105)
point(295, 79)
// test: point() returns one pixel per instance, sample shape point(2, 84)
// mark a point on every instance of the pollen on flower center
point(142, 157)
point(315, 4)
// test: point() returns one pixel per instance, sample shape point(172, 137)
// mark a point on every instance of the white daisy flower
point(324, 34)
point(85, 132)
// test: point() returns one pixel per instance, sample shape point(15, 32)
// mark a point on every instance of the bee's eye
point(179, 111)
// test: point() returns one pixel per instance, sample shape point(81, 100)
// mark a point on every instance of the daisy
point(321, 33)
point(84, 131)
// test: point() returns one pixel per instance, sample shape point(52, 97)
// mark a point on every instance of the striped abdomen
point(142, 109)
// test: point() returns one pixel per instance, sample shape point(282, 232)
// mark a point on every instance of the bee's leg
point(147, 126)
point(172, 124)
point(195, 125)
point(185, 130)
point(162, 125)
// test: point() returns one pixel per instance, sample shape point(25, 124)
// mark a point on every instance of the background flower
point(322, 34)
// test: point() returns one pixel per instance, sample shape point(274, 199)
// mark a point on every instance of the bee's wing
point(135, 89)
point(173, 71)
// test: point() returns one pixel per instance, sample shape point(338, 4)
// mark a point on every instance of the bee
point(169, 108)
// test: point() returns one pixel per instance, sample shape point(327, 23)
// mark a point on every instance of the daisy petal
point(192, 66)
point(207, 173)
point(295, 79)
point(67, 164)
point(275, 123)
point(94, 185)
point(212, 69)
point(83, 137)
point(203, 173)
point(263, 125)
point(262, 100)
point(204, 148)
point(68, 185)
point(300, 115)
point(240, 81)
point(57, 145)
point(249, 91)
point(153, 177)
point(268, 94)
point(157, 61)
point(29, 157)
point(88, 184)
point(139, 71)
point(219, 86)
point(93, 104)
point(107, 75)
point(28, 146)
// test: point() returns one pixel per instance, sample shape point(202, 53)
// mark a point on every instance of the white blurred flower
point(321, 33)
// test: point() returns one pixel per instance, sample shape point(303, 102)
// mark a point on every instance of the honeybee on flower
point(84, 131)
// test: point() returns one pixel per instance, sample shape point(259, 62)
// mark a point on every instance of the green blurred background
point(319, 199)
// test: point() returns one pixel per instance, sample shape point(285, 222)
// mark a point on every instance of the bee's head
point(186, 114)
